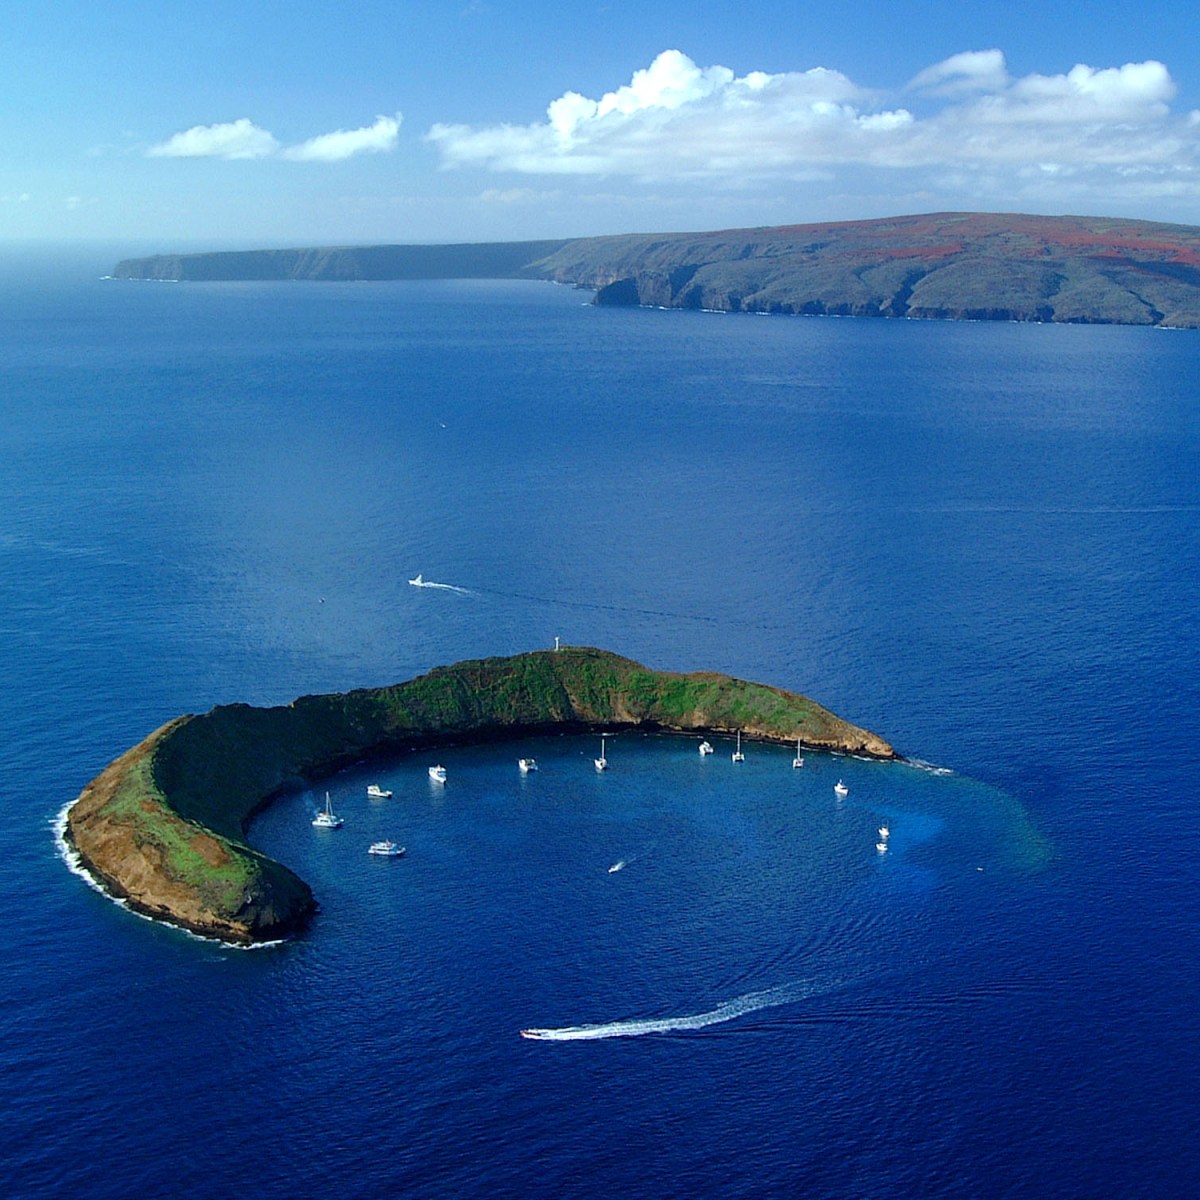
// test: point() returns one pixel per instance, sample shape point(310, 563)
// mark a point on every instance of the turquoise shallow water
point(979, 540)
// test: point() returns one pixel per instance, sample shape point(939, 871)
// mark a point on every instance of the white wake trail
point(449, 587)
point(787, 993)
point(445, 587)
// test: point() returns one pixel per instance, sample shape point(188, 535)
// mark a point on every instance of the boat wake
point(622, 863)
point(445, 587)
point(731, 1010)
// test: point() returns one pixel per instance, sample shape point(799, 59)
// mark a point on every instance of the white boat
point(841, 789)
point(601, 762)
point(798, 761)
point(438, 774)
point(881, 847)
point(705, 748)
point(616, 867)
point(737, 755)
point(527, 764)
point(327, 818)
point(386, 849)
point(884, 833)
point(375, 792)
point(418, 582)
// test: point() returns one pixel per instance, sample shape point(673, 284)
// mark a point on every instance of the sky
point(175, 125)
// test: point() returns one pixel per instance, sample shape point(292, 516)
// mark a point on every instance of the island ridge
point(936, 266)
point(163, 826)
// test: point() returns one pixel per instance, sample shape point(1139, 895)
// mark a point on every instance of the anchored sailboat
point(327, 818)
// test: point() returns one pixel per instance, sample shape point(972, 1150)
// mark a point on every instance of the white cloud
point(1136, 92)
point(675, 118)
point(233, 139)
point(243, 139)
point(519, 195)
point(678, 121)
point(345, 143)
point(960, 74)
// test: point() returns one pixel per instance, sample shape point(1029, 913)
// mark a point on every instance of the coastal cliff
point(936, 266)
point(947, 266)
point(163, 826)
point(482, 260)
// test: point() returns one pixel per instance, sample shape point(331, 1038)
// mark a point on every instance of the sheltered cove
point(163, 826)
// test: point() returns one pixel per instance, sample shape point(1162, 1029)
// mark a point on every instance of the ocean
point(980, 541)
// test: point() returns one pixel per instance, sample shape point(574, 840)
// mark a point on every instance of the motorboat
point(386, 849)
point(438, 774)
point(327, 818)
point(841, 789)
point(418, 582)
point(881, 847)
point(737, 755)
point(884, 833)
point(616, 867)
point(705, 748)
point(375, 792)
point(798, 761)
point(527, 764)
point(602, 761)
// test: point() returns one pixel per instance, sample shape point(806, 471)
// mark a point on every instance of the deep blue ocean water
point(979, 540)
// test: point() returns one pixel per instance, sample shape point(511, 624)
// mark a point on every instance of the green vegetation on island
point(163, 827)
point(948, 266)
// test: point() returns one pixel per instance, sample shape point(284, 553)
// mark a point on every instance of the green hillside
point(164, 825)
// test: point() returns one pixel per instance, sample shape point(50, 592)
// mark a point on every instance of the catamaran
point(327, 818)
point(737, 755)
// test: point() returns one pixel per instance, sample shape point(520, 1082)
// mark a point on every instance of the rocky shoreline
point(162, 827)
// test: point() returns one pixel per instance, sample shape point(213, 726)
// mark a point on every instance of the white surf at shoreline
point(74, 863)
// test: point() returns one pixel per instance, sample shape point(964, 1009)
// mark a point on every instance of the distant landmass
point(483, 260)
point(949, 266)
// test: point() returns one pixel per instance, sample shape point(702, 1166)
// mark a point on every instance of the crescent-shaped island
point(163, 826)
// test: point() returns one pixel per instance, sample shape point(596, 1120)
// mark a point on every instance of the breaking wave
point(74, 863)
